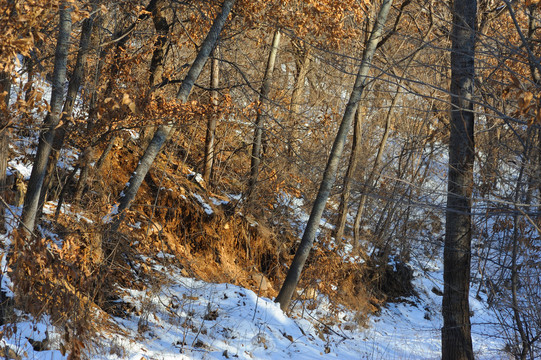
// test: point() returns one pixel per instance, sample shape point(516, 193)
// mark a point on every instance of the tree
point(31, 201)
point(75, 83)
point(5, 90)
point(350, 172)
point(210, 138)
point(260, 119)
point(164, 131)
point(456, 331)
point(294, 273)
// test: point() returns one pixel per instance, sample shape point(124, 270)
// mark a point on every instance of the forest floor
point(176, 315)
point(179, 317)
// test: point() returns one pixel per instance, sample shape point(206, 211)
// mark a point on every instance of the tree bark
point(5, 88)
point(158, 56)
point(370, 180)
point(31, 201)
point(211, 125)
point(164, 131)
point(350, 173)
point(456, 331)
point(260, 119)
point(294, 273)
point(75, 83)
point(302, 62)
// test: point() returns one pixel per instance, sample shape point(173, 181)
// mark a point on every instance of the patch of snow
point(109, 217)
point(24, 169)
point(218, 202)
point(206, 207)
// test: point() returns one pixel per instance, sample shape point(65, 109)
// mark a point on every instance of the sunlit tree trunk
point(31, 201)
point(211, 124)
point(164, 131)
point(75, 83)
point(5, 88)
point(302, 62)
point(456, 331)
point(260, 119)
point(354, 158)
point(294, 273)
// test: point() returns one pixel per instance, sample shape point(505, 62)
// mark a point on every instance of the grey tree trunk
point(456, 331)
point(75, 83)
point(158, 56)
point(302, 62)
point(369, 183)
point(164, 131)
point(260, 119)
point(211, 125)
point(31, 200)
point(5, 87)
point(294, 273)
point(350, 173)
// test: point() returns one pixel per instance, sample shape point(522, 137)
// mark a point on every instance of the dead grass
point(83, 274)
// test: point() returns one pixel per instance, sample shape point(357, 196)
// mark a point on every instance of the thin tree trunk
point(105, 153)
point(456, 331)
point(370, 180)
point(302, 62)
point(75, 83)
point(345, 196)
point(294, 273)
point(5, 87)
point(517, 316)
point(350, 173)
point(158, 56)
point(260, 119)
point(164, 131)
point(31, 201)
point(211, 125)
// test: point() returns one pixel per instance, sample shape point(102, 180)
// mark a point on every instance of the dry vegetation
point(235, 228)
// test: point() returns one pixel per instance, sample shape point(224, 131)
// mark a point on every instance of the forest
point(339, 160)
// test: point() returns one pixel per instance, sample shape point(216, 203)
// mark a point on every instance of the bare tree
point(211, 124)
point(31, 201)
point(456, 331)
point(294, 273)
point(5, 88)
point(260, 119)
point(164, 131)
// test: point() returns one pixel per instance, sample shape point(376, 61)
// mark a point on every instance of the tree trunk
point(5, 88)
point(350, 173)
point(31, 201)
point(260, 119)
point(370, 180)
point(294, 273)
point(158, 56)
point(105, 153)
point(75, 83)
point(456, 331)
point(211, 125)
point(164, 131)
point(521, 329)
point(302, 62)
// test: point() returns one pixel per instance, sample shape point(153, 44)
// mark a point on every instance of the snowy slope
point(190, 319)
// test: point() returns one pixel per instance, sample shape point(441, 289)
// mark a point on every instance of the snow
point(206, 207)
point(185, 318)
point(109, 217)
point(192, 319)
point(22, 168)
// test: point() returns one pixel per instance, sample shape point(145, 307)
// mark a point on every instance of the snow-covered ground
point(185, 318)
point(191, 319)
